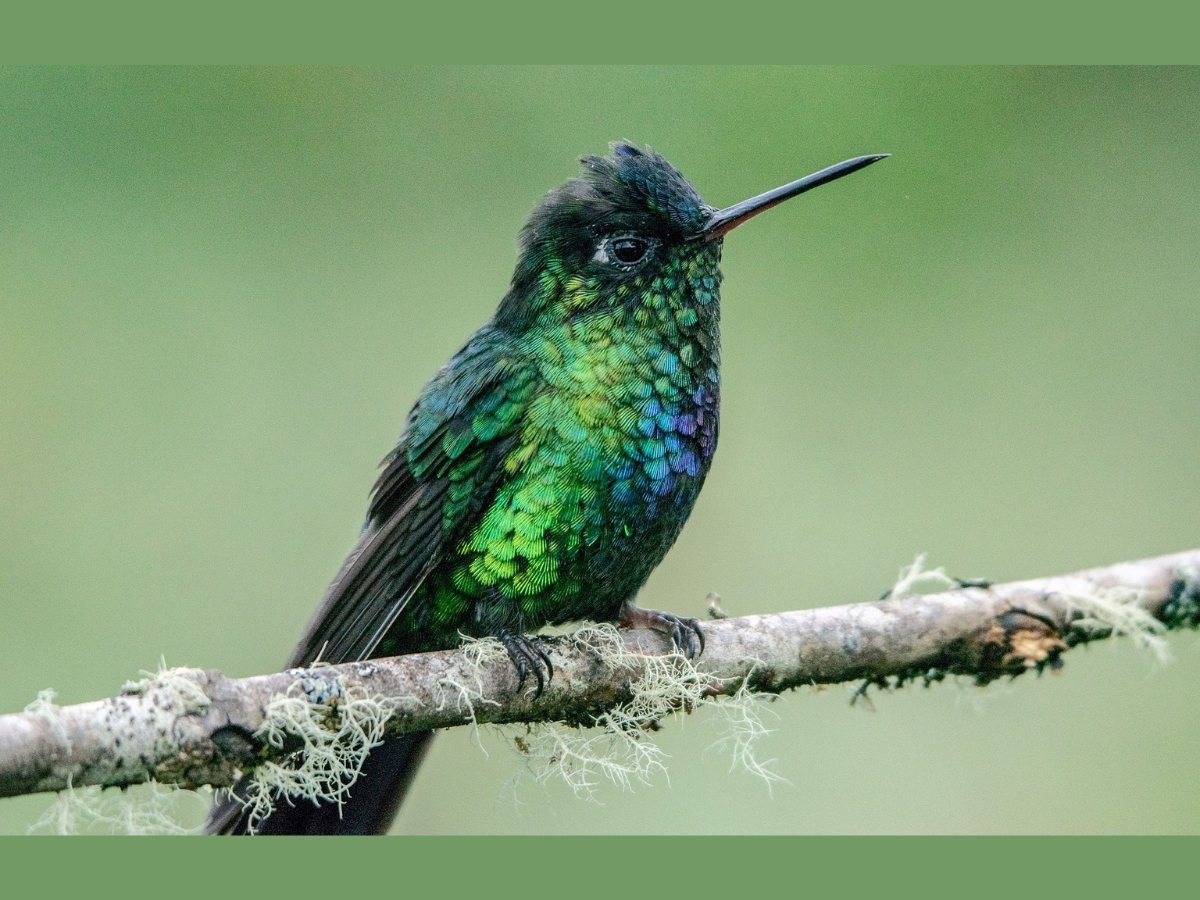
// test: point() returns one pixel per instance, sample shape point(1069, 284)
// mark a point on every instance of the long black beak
point(725, 220)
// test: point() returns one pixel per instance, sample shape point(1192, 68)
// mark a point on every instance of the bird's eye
point(625, 252)
point(629, 250)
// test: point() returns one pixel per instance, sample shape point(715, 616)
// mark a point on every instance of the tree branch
point(195, 727)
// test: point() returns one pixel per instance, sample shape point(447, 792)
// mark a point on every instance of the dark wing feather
point(386, 566)
point(448, 463)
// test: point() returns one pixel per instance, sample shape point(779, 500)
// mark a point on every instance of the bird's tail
point(369, 809)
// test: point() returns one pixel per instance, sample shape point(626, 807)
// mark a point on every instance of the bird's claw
point(529, 659)
point(684, 631)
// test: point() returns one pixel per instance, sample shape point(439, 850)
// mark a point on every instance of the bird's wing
point(446, 466)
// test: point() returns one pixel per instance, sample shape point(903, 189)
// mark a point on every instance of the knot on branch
point(1018, 641)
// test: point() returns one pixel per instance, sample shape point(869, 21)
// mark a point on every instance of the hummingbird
point(549, 466)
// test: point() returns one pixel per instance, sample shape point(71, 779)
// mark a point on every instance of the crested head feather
point(632, 187)
point(647, 179)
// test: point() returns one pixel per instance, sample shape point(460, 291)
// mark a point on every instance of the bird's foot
point(685, 632)
point(529, 659)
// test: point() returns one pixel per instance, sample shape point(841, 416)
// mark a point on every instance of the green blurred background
point(221, 290)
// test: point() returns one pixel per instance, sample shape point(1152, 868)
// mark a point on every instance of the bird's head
point(630, 229)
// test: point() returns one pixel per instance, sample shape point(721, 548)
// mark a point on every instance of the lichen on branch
point(194, 727)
